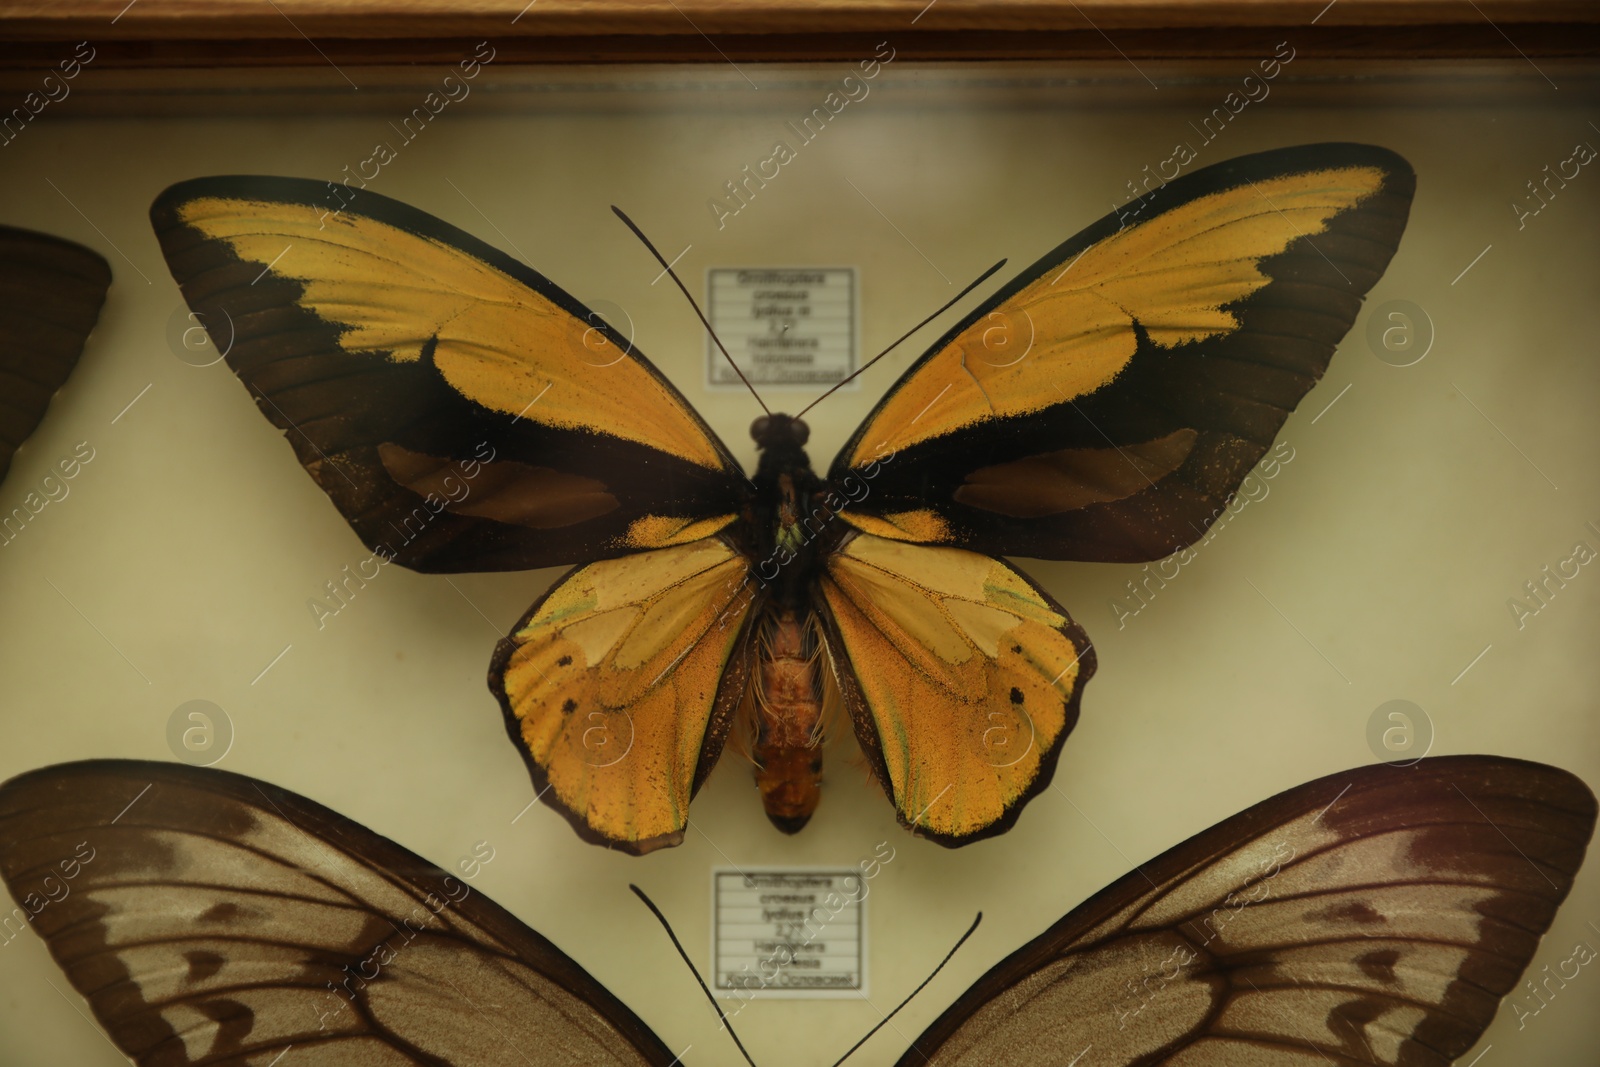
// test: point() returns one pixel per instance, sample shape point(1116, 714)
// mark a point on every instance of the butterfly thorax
point(789, 514)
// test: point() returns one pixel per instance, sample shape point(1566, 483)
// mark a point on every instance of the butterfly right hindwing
point(962, 676)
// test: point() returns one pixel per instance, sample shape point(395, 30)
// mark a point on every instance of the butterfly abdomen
point(786, 702)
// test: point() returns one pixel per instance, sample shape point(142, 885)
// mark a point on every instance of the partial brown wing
point(1375, 916)
point(51, 292)
point(211, 918)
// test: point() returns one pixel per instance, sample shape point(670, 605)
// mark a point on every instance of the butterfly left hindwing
point(619, 687)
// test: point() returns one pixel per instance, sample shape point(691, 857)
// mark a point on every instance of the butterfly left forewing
point(51, 292)
point(210, 918)
point(461, 410)
point(1373, 917)
point(962, 678)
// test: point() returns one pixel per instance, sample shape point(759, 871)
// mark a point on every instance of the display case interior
point(1424, 532)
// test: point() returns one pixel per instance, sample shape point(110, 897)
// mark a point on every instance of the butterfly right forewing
point(1371, 917)
point(1108, 402)
point(210, 918)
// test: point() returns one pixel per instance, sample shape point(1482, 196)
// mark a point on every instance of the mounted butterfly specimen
point(51, 292)
point(1375, 916)
point(464, 413)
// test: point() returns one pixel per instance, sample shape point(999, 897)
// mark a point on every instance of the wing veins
point(1178, 881)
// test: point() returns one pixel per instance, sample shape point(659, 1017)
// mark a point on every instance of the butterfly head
point(777, 431)
point(781, 440)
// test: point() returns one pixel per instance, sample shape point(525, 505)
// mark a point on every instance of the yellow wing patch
point(613, 681)
point(922, 525)
point(500, 343)
point(968, 675)
point(662, 531)
point(1175, 274)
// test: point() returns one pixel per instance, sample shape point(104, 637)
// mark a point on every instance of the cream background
point(193, 540)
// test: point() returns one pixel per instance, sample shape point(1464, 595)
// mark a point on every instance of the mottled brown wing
point(211, 918)
point(1375, 916)
point(51, 292)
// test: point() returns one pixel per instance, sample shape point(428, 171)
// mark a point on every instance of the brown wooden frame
point(297, 33)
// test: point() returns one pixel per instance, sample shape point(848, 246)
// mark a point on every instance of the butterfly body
point(785, 705)
point(786, 532)
point(465, 413)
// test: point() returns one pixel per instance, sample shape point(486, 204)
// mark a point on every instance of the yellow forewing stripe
point(500, 343)
point(1174, 273)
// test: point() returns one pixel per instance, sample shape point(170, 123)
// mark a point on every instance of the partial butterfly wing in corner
point(51, 292)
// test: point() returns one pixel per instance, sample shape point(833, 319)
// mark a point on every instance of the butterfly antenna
point(977, 282)
point(662, 919)
point(679, 282)
point(936, 970)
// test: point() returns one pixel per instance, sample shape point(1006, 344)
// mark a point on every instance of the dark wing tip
point(24, 248)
